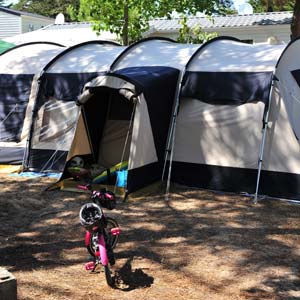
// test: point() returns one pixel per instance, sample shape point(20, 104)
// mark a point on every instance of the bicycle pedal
point(115, 231)
point(90, 266)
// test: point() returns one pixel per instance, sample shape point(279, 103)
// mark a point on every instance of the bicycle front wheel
point(111, 240)
point(108, 277)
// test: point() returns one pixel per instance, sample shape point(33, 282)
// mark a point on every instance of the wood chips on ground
point(195, 245)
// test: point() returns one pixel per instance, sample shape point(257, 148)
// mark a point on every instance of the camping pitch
point(221, 116)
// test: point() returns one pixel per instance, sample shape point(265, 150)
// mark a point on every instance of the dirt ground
point(195, 245)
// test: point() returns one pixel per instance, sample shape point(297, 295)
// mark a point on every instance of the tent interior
point(105, 139)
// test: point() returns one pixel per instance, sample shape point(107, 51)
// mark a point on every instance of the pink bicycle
point(102, 232)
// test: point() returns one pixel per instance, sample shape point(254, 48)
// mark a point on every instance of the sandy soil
point(195, 245)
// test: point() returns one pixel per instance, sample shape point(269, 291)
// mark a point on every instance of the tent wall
point(62, 81)
point(18, 67)
point(151, 118)
point(222, 108)
point(159, 101)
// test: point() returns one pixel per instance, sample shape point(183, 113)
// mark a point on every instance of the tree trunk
point(295, 26)
point(269, 5)
point(125, 26)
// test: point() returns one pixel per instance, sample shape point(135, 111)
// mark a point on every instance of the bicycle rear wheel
point(111, 240)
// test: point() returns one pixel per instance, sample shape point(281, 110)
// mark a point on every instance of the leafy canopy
point(129, 18)
point(272, 5)
point(49, 8)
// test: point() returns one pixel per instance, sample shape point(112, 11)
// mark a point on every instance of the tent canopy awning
point(5, 45)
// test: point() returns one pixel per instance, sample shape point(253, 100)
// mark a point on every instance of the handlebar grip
point(85, 187)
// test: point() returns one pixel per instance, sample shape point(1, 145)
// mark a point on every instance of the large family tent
point(125, 112)
point(18, 67)
point(56, 114)
point(227, 100)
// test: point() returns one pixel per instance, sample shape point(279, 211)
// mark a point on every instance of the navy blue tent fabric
point(11, 155)
point(66, 86)
point(227, 88)
point(14, 95)
point(158, 85)
point(47, 160)
point(296, 75)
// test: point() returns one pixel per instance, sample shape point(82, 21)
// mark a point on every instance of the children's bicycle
point(102, 232)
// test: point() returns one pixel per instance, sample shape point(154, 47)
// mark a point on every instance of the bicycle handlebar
point(86, 187)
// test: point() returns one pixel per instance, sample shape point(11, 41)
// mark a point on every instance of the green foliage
point(129, 19)
point(272, 5)
point(193, 35)
point(49, 8)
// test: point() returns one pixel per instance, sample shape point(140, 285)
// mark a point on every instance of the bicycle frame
point(100, 238)
point(100, 244)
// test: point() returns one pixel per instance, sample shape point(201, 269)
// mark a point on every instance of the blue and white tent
point(18, 67)
point(56, 113)
point(221, 116)
point(232, 129)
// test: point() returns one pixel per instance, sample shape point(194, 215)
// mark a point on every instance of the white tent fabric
point(288, 86)
point(28, 59)
point(234, 56)
point(222, 129)
point(222, 135)
point(63, 34)
point(88, 58)
point(156, 52)
point(225, 139)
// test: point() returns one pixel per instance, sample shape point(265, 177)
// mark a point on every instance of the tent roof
point(155, 52)
point(66, 35)
point(88, 57)
point(28, 59)
point(228, 55)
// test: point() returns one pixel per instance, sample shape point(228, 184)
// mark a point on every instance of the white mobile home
point(13, 22)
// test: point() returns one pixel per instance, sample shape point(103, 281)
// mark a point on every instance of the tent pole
point(171, 138)
point(172, 142)
point(263, 142)
point(170, 134)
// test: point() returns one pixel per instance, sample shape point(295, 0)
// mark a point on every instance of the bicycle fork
point(101, 254)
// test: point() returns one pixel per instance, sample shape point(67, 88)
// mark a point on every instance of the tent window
point(56, 122)
point(11, 121)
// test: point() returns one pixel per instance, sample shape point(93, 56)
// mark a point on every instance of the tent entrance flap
point(107, 117)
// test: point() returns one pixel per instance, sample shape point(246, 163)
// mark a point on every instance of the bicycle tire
point(108, 277)
point(110, 239)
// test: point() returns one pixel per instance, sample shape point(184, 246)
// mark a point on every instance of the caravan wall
point(221, 116)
